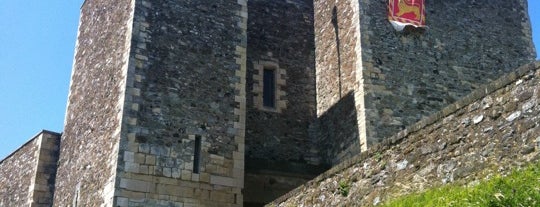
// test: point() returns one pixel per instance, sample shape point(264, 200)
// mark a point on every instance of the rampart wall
point(494, 129)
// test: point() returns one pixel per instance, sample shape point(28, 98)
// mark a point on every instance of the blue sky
point(37, 41)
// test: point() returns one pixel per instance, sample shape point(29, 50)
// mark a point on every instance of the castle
point(234, 103)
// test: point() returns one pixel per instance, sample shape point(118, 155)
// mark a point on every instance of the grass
point(519, 188)
point(344, 188)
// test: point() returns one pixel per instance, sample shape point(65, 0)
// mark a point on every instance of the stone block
point(132, 121)
point(167, 172)
point(150, 160)
point(220, 197)
point(140, 158)
point(201, 194)
point(186, 174)
point(176, 173)
point(238, 156)
point(165, 189)
point(143, 169)
point(131, 195)
point(135, 107)
point(144, 148)
point(122, 202)
point(151, 170)
point(136, 185)
point(129, 156)
point(195, 177)
point(188, 166)
point(187, 192)
point(133, 147)
point(131, 167)
point(220, 180)
point(204, 177)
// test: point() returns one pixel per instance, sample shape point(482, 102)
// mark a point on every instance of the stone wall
point(89, 146)
point(495, 129)
point(183, 133)
point(410, 75)
point(279, 152)
point(397, 78)
point(45, 177)
point(27, 175)
point(337, 56)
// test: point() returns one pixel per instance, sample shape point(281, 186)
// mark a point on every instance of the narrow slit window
point(197, 155)
point(269, 88)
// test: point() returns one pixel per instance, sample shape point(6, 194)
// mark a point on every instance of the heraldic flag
point(406, 12)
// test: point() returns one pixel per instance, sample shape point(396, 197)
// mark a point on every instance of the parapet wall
point(494, 129)
point(27, 176)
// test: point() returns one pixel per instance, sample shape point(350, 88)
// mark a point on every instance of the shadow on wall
point(338, 46)
point(338, 131)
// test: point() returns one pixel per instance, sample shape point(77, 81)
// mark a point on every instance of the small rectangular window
point(197, 155)
point(269, 88)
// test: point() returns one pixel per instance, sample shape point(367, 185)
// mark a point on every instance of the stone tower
point(373, 81)
point(236, 102)
point(156, 110)
point(280, 153)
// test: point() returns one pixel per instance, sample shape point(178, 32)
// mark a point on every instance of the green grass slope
point(519, 188)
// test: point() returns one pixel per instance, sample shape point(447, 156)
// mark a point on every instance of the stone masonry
point(27, 176)
point(387, 80)
point(236, 102)
point(493, 130)
point(90, 142)
point(165, 124)
point(279, 151)
point(186, 90)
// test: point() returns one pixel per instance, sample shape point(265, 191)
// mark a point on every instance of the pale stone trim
point(240, 111)
point(359, 91)
point(281, 103)
point(124, 103)
point(32, 187)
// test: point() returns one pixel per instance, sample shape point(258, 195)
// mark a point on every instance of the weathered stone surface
point(27, 176)
point(416, 73)
point(439, 149)
point(187, 81)
point(89, 149)
point(380, 80)
point(280, 35)
point(337, 58)
point(165, 105)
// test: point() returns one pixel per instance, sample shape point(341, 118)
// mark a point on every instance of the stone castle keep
point(237, 102)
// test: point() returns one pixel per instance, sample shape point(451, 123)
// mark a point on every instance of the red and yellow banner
point(406, 12)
